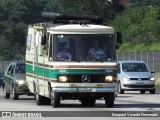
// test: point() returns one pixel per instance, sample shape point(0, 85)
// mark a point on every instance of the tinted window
point(87, 47)
point(134, 67)
point(20, 68)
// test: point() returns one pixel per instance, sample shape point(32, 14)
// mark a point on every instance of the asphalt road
point(128, 102)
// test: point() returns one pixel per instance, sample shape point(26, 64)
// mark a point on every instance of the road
point(130, 101)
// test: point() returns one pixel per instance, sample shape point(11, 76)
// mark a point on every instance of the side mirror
point(43, 40)
point(119, 37)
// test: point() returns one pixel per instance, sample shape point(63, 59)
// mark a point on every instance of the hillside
point(140, 27)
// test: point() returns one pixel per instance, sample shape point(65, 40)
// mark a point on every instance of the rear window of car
point(134, 67)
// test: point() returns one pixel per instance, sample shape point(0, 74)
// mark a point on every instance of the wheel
point(6, 94)
point(120, 90)
point(15, 96)
point(142, 91)
point(39, 99)
point(84, 102)
point(92, 102)
point(109, 99)
point(46, 101)
point(56, 100)
point(152, 91)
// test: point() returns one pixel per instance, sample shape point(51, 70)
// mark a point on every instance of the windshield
point(86, 47)
point(20, 69)
point(134, 67)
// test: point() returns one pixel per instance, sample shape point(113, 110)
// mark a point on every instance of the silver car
point(14, 80)
point(135, 76)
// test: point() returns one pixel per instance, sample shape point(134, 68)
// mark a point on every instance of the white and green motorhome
point(53, 79)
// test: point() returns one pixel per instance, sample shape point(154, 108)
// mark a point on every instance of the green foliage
point(139, 25)
point(130, 47)
point(16, 14)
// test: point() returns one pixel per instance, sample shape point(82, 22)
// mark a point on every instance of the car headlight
point(62, 79)
point(152, 78)
point(125, 78)
point(20, 81)
point(109, 78)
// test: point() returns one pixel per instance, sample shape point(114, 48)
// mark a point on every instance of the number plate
point(87, 89)
point(140, 83)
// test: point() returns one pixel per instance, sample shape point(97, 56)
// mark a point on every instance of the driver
point(96, 52)
point(64, 54)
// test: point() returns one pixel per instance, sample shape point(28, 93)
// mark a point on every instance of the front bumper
point(84, 90)
point(138, 85)
point(22, 89)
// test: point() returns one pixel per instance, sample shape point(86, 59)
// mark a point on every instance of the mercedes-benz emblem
point(86, 78)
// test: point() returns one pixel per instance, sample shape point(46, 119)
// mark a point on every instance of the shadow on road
point(137, 106)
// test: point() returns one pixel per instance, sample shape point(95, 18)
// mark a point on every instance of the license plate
point(140, 83)
point(88, 89)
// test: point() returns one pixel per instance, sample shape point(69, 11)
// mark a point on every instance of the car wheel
point(56, 100)
point(142, 91)
point(152, 91)
point(109, 99)
point(6, 94)
point(15, 96)
point(120, 90)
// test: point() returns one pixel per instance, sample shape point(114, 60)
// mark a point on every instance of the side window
point(10, 70)
point(28, 42)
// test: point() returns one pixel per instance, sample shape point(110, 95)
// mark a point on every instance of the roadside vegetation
point(138, 20)
point(158, 85)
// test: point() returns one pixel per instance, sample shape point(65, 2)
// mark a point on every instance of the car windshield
point(86, 47)
point(20, 69)
point(134, 67)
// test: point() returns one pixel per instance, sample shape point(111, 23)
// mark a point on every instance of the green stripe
point(53, 73)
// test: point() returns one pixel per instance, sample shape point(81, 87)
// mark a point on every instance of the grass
point(129, 47)
point(158, 85)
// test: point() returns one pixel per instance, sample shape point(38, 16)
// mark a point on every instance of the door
point(9, 77)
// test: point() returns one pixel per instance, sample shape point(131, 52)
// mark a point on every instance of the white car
point(135, 75)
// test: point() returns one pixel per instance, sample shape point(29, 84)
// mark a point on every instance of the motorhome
point(78, 72)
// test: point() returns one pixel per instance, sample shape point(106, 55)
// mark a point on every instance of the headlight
point(152, 78)
point(109, 79)
point(20, 81)
point(62, 79)
point(125, 79)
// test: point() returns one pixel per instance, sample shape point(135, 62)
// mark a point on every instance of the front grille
point(93, 79)
point(139, 78)
point(139, 86)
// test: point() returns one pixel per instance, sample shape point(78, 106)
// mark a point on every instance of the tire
point(142, 91)
point(56, 100)
point(39, 99)
point(120, 90)
point(6, 94)
point(46, 101)
point(15, 96)
point(152, 91)
point(84, 102)
point(92, 102)
point(109, 99)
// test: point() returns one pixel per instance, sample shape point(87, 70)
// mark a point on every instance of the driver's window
point(63, 48)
